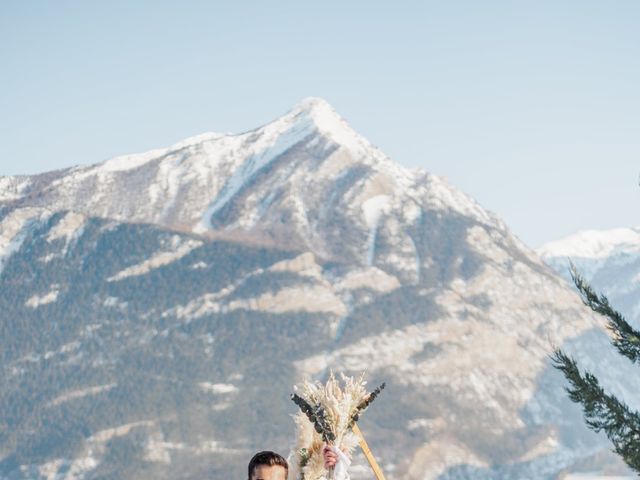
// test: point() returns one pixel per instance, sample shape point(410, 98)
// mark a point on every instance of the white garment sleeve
point(340, 470)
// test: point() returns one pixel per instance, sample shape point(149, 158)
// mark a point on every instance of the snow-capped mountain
point(158, 308)
point(608, 259)
point(306, 179)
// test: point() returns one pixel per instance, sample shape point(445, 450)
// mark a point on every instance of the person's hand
point(330, 457)
point(338, 460)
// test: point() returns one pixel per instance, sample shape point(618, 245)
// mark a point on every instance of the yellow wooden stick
point(367, 453)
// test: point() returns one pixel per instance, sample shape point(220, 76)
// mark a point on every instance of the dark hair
point(267, 458)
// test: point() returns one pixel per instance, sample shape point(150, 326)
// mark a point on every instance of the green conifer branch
point(625, 338)
point(603, 412)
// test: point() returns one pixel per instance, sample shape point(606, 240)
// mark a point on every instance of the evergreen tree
point(603, 411)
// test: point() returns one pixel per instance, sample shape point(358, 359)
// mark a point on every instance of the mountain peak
point(593, 244)
point(321, 113)
point(328, 122)
point(314, 104)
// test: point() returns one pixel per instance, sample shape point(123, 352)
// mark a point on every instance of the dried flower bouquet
point(327, 414)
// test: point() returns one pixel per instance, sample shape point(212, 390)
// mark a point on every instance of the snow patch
point(94, 449)
point(107, 434)
point(69, 228)
point(372, 210)
point(115, 302)
point(12, 188)
point(167, 184)
point(15, 228)
point(196, 140)
point(36, 300)
point(331, 124)
point(50, 469)
point(129, 162)
point(277, 138)
point(160, 451)
point(218, 388)
point(81, 393)
point(214, 446)
point(80, 467)
point(593, 244)
point(158, 260)
point(445, 197)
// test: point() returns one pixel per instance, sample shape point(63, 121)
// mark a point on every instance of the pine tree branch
point(625, 338)
point(603, 412)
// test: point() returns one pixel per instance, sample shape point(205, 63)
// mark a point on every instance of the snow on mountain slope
point(251, 260)
point(608, 259)
point(593, 244)
point(16, 226)
point(286, 180)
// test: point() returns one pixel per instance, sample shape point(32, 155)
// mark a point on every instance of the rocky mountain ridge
point(158, 308)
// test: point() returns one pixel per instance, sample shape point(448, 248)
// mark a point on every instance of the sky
point(530, 107)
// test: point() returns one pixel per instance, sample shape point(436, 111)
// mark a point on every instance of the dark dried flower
point(365, 403)
point(317, 416)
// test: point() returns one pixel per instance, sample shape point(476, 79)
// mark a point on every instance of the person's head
point(268, 466)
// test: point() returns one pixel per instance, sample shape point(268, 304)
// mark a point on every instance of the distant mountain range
point(157, 309)
point(608, 259)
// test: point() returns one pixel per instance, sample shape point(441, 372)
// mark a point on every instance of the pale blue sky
point(531, 107)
